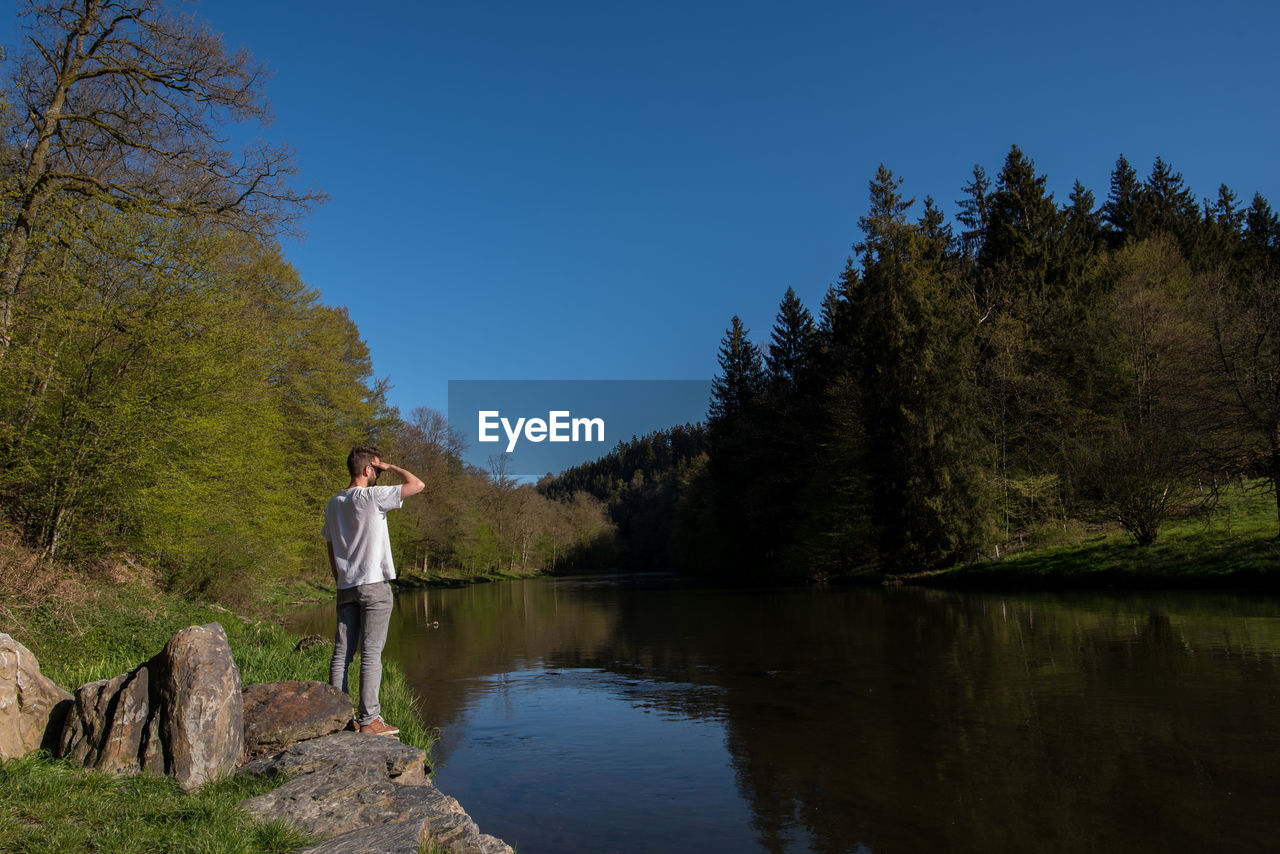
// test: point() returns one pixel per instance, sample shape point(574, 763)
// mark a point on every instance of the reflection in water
point(622, 715)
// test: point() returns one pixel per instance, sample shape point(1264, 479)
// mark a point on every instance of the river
point(650, 714)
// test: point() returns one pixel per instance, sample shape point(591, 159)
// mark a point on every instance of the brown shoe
point(379, 727)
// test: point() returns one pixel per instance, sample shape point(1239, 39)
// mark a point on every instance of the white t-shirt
point(355, 523)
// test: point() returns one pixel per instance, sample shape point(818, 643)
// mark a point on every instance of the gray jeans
point(364, 613)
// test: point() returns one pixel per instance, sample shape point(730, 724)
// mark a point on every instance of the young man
point(355, 526)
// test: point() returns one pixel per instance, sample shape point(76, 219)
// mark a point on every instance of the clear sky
point(590, 190)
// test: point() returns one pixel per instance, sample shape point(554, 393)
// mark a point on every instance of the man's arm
point(412, 483)
point(333, 561)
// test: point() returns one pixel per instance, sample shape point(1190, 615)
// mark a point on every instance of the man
point(355, 526)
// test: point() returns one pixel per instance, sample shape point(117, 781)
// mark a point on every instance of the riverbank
point(86, 626)
point(410, 580)
point(1231, 546)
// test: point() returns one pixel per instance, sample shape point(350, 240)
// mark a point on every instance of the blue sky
point(590, 190)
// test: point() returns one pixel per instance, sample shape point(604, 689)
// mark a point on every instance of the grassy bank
point(1229, 545)
point(411, 580)
point(84, 626)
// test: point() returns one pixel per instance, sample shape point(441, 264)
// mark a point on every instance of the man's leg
point(346, 639)
point(375, 606)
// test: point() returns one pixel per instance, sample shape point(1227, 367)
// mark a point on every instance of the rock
point(353, 752)
point(152, 755)
point(178, 714)
point(201, 711)
point(32, 707)
point(108, 724)
point(436, 821)
point(277, 714)
point(310, 641)
point(367, 793)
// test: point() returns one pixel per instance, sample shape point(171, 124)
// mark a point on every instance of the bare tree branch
point(122, 102)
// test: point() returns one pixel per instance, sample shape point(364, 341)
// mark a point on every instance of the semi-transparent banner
point(546, 426)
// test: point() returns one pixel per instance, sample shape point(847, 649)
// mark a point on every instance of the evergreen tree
point(1262, 231)
point(1166, 204)
point(1022, 222)
point(912, 365)
point(1120, 209)
point(1219, 240)
point(791, 344)
point(973, 212)
point(1082, 232)
point(741, 377)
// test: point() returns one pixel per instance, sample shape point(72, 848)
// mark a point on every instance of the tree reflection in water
point(834, 720)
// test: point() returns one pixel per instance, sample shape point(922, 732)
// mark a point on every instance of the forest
point(967, 386)
point(172, 394)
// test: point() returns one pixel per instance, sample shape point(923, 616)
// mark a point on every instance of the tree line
point(967, 384)
point(640, 484)
point(170, 389)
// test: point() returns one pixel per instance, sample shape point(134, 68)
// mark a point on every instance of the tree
point(120, 104)
point(1262, 232)
point(1022, 222)
point(1241, 317)
point(791, 344)
point(1083, 220)
point(741, 377)
point(1220, 237)
point(973, 212)
point(912, 365)
point(1142, 459)
point(1119, 212)
point(1166, 204)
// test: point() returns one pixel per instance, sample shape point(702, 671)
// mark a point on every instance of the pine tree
point(1219, 239)
point(1082, 233)
point(912, 366)
point(973, 212)
point(741, 377)
point(1262, 231)
point(791, 345)
point(1166, 204)
point(1022, 221)
point(1120, 208)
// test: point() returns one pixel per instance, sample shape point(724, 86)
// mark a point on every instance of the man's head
point(362, 456)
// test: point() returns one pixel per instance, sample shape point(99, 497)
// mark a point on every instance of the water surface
point(629, 714)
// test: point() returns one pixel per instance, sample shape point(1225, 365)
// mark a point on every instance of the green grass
point(48, 805)
point(115, 630)
point(108, 629)
point(1231, 545)
point(414, 580)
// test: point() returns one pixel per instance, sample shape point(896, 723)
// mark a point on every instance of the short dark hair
point(361, 456)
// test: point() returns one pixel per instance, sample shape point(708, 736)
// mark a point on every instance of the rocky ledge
point(365, 793)
point(184, 713)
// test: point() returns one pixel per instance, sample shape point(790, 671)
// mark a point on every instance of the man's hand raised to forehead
point(412, 484)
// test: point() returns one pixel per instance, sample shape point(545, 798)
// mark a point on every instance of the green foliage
point(180, 395)
point(639, 483)
point(1050, 367)
point(1229, 542)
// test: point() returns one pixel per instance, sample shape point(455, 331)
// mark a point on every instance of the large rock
point(409, 820)
point(32, 707)
point(108, 725)
point(277, 714)
point(179, 714)
point(354, 753)
point(201, 711)
point(366, 793)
